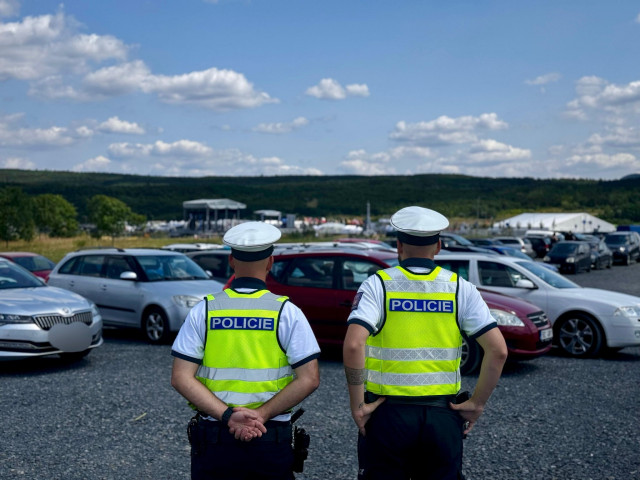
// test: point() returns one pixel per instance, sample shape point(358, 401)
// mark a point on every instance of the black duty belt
point(430, 401)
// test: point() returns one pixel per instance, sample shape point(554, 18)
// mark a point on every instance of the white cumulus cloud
point(38, 47)
point(446, 130)
point(115, 125)
point(330, 89)
point(9, 8)
point(97, 164)
point(17, 163)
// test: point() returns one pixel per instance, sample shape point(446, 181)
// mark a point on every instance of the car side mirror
point(128, 276)
point(524, 283)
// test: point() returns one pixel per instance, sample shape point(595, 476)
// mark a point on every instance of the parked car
point(541, 244)
point(214, 262)
point(585, 320)
point(150, 289)
point(323, 283)
point(37, 319)
point(570, 256)
point(522, 243)
point(457, 243)
point(624, 245)
point(601, 255)
point(37, 264)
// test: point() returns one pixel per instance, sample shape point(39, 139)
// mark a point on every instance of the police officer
point(234, 361)
point(402, 359)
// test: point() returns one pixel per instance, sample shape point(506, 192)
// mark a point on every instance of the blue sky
point(545, 89)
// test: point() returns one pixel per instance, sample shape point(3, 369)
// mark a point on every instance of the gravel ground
point(114, 415)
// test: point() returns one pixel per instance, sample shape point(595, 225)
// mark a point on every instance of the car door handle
point(103, 287)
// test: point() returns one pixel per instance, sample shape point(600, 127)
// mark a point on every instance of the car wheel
point(471, 356)
point(155, 325)
point(72, 357)
point(579, 335)
point(627, 260)
point(610, 264)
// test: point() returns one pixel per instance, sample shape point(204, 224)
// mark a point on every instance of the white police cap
point(251, 241)
point(418, 225)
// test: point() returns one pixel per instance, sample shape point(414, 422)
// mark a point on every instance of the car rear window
point(312, 272)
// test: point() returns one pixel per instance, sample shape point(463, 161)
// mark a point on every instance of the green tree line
point(23, 216)
point(160, 198)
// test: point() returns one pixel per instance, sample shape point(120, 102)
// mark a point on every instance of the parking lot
point(114, 415)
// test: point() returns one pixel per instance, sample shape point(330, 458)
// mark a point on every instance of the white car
point(584, 320)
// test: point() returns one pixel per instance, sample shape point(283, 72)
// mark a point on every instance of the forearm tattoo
point(355, 376)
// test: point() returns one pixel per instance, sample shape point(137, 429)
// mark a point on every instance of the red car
point(322, 281)
point(35, 263)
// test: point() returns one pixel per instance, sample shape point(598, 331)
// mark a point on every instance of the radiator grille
point(539, 319)
point(45, 322)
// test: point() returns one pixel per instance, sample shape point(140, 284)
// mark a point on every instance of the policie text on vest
point(427, 306)
point(241, 323)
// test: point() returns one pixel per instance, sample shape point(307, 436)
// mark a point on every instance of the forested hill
point(161, 198)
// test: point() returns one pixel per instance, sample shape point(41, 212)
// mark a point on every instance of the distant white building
point(559, 222)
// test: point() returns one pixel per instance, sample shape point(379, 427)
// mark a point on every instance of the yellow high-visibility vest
point(417, 351)
point(244, 364)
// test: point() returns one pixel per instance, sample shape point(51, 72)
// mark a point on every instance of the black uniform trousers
point(410, 441)
point(216, 454)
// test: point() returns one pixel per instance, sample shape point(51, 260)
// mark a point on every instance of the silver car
point(150, 289)
point(37, 320)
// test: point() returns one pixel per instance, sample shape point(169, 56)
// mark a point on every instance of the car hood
point(195, 288)
point(615, 299)
point(38, 300)
point(507, 303)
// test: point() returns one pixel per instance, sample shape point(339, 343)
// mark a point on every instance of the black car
point(457, 243)
point(624, 245)
point(540, 244)
point(601, 255)
point(570, 256)
point(215, 262)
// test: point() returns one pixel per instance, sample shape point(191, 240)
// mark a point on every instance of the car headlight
point(186, 301)
point(94, 310)
point(6, 318)
point(546, 258)
point(506, 319)
point(571, 259)
point(630, 312)
point(623, 249)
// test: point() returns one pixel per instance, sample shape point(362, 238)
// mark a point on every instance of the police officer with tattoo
point(402, 356)
point(244, 358)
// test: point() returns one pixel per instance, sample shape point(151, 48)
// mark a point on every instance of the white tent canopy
point(559, 222)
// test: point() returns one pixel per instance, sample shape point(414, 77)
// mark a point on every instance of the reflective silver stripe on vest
point(248, 375)
point(400, 283)
point(412, 379)
point(237, 398)
point(268, 301)
point(411, 354)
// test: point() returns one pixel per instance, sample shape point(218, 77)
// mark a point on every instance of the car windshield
point(171, 267)
point(563, 248)
point(548, 276)
point(616, 239)
point(12, 276)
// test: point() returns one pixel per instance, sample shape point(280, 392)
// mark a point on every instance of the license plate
point(546, 334)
